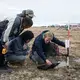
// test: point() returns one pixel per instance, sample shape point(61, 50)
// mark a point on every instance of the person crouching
point(45, 45)
point(16, 49)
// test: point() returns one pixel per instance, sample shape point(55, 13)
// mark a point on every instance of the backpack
point(3, 26)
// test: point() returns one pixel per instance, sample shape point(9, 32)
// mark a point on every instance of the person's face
point(47, 40)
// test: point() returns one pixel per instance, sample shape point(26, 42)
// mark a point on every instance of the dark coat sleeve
point(10, 47)
point(57, 41)
point(39, 50)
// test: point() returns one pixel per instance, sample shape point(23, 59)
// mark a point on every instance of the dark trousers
point(51, 50)
point(2, 57)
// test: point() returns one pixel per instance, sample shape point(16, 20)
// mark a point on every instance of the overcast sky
point(46, 11)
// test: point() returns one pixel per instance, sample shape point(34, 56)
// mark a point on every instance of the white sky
point(46, 11)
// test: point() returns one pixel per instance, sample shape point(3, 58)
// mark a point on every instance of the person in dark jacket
point(45, 45)
point(16, 26)
point(3, 65)
point(17, 50)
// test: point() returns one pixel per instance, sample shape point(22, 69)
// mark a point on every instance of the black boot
point(3, 65)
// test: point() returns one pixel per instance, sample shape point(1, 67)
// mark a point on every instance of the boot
point(3, 65)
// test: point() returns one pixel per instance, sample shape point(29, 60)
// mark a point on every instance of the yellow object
point(4, 50)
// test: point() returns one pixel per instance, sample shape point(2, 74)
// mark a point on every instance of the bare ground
point(30, 72)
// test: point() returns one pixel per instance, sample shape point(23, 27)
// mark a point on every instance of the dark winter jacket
point(15, 28)
point(40, 47)
point(16, 47)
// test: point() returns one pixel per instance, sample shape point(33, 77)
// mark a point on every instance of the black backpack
point(3, 26)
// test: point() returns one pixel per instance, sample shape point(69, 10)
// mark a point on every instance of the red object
point(68, 34)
